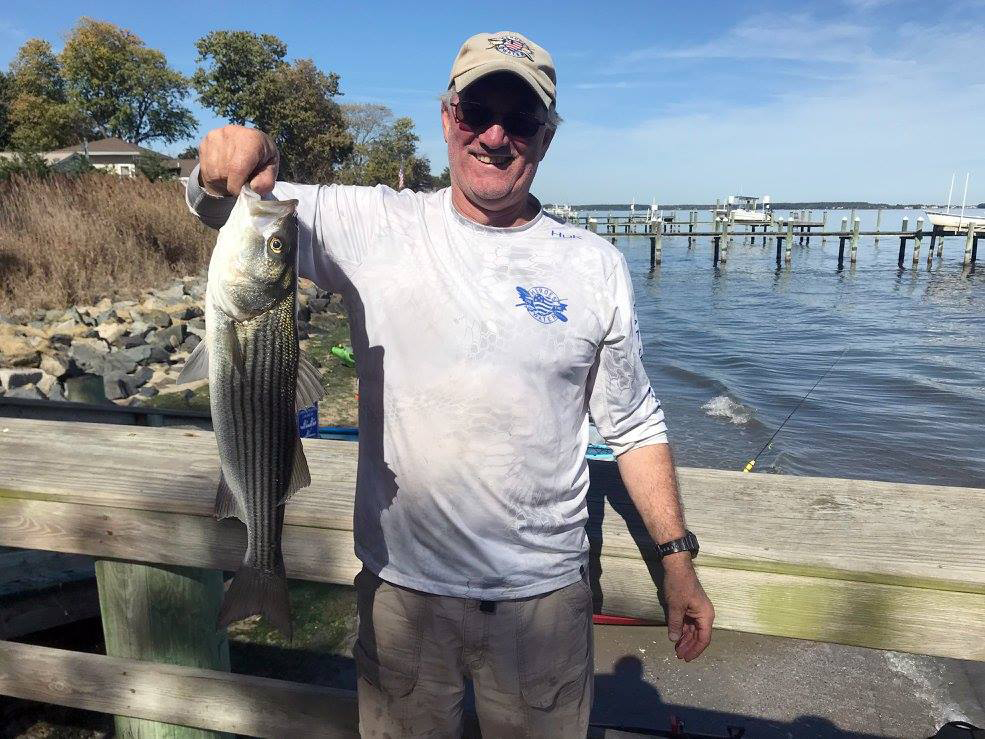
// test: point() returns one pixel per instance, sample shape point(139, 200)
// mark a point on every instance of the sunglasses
point(479, 117)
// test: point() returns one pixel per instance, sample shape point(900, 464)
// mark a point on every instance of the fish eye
point(275, 244)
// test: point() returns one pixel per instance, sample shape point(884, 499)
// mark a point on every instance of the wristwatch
point(687, 543)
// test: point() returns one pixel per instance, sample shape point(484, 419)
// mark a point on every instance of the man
point(484, 333)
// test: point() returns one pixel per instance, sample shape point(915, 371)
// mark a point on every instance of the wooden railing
point(875, 564)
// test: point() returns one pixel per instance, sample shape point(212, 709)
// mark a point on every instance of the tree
point(5, 125)
point(25, 164)
point(39, 114)
point(189, 152)
point(247, 81)
point(366, 123)
point(396, 148)
point(153, 168)
point(40, 124)
point(297, 110)
point(238, 61)
point(443, 179)
point(124, 88)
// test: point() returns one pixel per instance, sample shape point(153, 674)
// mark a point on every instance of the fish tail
point(253, 591)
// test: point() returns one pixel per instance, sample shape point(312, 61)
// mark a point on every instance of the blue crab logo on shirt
point(542, 303)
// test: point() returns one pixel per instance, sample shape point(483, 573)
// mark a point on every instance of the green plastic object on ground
point(345, 355)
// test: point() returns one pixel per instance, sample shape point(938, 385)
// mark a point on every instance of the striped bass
point(257, 380)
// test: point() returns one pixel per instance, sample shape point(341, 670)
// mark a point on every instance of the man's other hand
point(689, 612)
point(231, 156)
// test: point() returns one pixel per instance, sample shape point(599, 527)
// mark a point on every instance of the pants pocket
point(387, 651)
point(554, 646)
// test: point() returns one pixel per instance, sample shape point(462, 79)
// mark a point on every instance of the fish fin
point(226, 505)
point(310, 389)
point(253, 591)
point(234, 348)
point(300, 475)
point(196, 366)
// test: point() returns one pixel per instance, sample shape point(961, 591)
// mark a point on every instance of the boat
point(746, 209)
point(564, 212)
point(955, 222)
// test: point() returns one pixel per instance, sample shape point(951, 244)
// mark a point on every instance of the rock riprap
point(124, 351)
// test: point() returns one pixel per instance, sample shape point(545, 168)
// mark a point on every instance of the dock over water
point(875, 564)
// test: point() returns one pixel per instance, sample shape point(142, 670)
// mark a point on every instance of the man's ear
point(548, 138)
point(445, 121)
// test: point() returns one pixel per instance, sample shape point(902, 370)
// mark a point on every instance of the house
point(115, 155)
point(112, 155)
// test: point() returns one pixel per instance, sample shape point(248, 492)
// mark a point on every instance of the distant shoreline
point(819, 205)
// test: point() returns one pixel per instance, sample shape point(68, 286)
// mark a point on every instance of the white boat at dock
point(563, 212)
point(746, 209)
point(955, 221)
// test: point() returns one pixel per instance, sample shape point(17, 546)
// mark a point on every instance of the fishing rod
point(752, 462)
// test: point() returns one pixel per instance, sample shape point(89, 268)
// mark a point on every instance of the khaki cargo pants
point(530, 660)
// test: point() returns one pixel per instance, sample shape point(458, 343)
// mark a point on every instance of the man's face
point(491, 167)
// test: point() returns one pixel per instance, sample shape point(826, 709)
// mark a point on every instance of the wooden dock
point(876, 564)
point(783, 232)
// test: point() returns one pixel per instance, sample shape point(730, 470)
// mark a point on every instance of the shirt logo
point(511, 46)
point(542, 303)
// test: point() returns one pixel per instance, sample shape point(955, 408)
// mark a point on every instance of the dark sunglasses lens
point(475, 115)
point(521, 124)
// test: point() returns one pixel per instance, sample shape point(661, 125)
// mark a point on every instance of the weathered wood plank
point(165, 614)
point(206, 699)
point(875, 531)
point(917, 619)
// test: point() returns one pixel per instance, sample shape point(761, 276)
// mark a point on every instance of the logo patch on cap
point(511, 46)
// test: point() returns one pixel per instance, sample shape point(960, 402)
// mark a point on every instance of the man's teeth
point(492, 160)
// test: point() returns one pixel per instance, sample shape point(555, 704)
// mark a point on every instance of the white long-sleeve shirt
point(479, 352)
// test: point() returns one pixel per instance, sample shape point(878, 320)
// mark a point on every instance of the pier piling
point(788, 253)
point(856, 225)
point(917, 241)
point(902, 242)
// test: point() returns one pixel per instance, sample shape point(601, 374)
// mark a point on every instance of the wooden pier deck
point(876, 564)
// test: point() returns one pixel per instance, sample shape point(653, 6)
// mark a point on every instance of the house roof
point(185, 166)
point(104, 146)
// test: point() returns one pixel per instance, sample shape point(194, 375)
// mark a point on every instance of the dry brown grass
point(67, 241)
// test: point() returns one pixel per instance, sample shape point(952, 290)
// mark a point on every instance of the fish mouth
point(500, 161)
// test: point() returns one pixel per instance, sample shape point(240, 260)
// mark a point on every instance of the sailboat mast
point(964, 198)
point(950, 193)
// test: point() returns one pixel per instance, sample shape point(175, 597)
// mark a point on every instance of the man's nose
point(494, 137)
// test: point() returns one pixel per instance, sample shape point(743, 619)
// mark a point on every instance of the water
point(731, 351)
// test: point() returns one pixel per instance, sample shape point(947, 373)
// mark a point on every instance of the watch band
point(687, 543)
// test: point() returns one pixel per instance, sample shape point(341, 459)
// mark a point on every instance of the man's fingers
point(675, 621)
point(263, 181)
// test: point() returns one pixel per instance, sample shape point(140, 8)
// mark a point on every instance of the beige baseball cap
point(505, 51)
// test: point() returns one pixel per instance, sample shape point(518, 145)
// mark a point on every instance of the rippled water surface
point(731, 351)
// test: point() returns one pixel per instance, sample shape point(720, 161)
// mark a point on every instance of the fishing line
point(752, 462)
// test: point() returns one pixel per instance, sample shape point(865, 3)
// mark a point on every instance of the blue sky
point(847, 99)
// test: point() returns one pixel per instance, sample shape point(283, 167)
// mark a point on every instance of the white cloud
point(893, 124)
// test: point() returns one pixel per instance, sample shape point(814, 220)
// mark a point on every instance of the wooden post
point(855, 229)
point(716, 241)
point(726, 242)
point(917, 241)
point(841, 252)
point(902, 242)
point(969, 245)
point(779, 244)
point(824, 226)
point(940, 244)
point(162, 613)
point(930, 249)
point(974, 249)
point(788, 253)
point(593, 225)
point(878, 219)
point(691, 220)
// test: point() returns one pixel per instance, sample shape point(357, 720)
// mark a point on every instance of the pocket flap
point(392, 682)
point(544, 691)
